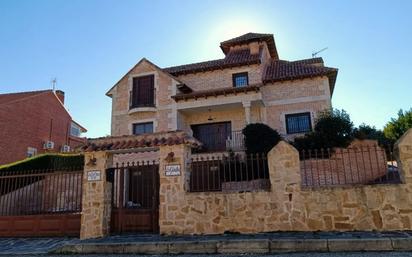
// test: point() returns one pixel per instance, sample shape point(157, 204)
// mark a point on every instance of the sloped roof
point(233, 59)
point(279, 70)
point(251, 37)
point(13, 97)
point(157, 139)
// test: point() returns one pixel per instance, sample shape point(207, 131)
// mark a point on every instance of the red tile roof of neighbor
point(129, 142)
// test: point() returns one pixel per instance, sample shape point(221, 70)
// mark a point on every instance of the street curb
point(238, 246)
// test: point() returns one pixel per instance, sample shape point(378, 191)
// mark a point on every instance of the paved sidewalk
point(216, 244)
point(22, 246)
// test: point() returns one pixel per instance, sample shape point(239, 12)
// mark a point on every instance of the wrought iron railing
point(31, 192)
point(348, 166)
point(228, 173)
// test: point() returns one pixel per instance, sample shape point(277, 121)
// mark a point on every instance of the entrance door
point(136, 199)
point(212, 135)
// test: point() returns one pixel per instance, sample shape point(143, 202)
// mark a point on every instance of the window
point(143, 92)
point(298, 123)
point(212, 135)
point(142, 128)
point(31, 151)
point(240, 79)
point(75, 130)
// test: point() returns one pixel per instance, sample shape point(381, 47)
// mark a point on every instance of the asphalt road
point(354, 254)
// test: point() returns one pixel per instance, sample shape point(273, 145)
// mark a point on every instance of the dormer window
point(240, 79)
point(143, 92)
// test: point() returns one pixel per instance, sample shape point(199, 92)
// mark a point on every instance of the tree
point(370, 132)
point(333, 128)
point(395, 128)
point(260, 138)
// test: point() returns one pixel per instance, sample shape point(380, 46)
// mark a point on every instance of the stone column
point(247, 105)
point(173, 187)
point(284, 168)
point(403, 153)
point(96, 196)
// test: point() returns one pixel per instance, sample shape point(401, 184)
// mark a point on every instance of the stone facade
point(269, 105)
point(287, 207)
point(96, 202)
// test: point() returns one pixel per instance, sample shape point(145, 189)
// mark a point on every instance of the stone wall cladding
point(287, 207)
point(122, 120)
point(221, 78)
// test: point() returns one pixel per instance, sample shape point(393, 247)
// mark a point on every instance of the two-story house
point(36, 122)
point(214, 100)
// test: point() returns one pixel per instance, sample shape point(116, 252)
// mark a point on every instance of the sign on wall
point(172, 170)
point(94, 175)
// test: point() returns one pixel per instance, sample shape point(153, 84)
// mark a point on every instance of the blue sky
point(88, 45)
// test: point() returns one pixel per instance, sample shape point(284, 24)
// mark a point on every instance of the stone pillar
point(173, 186)
point(284, 168)
point(403, 153)
point(96, 196)
point(247, 105)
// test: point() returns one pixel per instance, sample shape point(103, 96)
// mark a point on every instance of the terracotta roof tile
point(251, 37)
point(279, 70)
point(233, 59)
point(140, 141)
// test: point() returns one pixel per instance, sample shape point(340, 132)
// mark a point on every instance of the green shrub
point(370, 132)
point(260, 138)
point(47, 161)
point(333, 128)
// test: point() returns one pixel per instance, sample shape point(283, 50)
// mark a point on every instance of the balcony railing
point(221, 142)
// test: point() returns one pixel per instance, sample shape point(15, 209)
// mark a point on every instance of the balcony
point(221, 141)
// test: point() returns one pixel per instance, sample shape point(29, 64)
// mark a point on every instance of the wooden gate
point(40, 203)
point(135, 198)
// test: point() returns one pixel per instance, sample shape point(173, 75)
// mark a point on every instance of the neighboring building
point(214, 100)
point(36, 122)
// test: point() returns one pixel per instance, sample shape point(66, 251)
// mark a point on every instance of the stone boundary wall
point(287, 207)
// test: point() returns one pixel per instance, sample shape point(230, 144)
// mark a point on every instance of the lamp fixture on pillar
point(210, 116)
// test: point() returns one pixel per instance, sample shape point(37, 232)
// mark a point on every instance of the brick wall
point(27, 124)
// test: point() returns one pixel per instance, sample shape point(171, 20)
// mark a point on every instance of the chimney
point(60, 95)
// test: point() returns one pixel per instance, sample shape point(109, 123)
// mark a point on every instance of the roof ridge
point(37, 93)
point(27, 92)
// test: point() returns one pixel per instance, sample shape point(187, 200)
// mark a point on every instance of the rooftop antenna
point(54, 82)
point(316, 53)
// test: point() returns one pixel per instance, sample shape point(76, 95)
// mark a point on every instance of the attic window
point(240, 79)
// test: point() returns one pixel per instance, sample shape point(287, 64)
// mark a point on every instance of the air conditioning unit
point(65, 148)
point(48, 145)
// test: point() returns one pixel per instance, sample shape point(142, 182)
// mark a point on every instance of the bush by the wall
point(333, 128)
point(260, 138)
point(47, 161)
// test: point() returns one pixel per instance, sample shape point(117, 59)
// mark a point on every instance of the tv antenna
point(54, 83)
point(316, 53)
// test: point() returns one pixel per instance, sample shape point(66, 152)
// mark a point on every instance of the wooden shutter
point(143, 91)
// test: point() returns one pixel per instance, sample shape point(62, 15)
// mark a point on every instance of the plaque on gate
point(172, 170)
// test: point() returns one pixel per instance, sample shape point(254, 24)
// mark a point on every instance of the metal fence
point(47, 191)
point(233, 172)
point(348, 166)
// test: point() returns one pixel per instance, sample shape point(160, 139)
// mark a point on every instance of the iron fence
point(348, 166)
point(46, 191)
point(233, 172)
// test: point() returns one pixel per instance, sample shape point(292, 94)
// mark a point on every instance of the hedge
point(47, 161)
